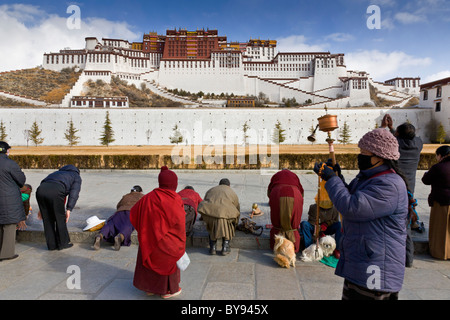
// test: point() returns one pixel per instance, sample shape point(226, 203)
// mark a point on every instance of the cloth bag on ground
point(184, 262)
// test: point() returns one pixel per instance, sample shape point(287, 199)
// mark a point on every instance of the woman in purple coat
point(118, 227)
point(374, 209)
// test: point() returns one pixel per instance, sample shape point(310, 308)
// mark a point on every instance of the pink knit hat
point(382, 143)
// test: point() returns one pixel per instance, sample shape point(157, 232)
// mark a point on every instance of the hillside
point(7, 102)
point(37, 83)
point(138, 97)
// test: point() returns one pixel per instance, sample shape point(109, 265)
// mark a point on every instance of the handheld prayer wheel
point(328, 123)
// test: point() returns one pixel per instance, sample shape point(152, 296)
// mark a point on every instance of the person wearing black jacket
point(51, 196)
point(410, 146)
point(438, 177)
point(12, 214)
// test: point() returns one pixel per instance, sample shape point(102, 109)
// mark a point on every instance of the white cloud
point(381, 65)
point(436, 76)
point(340, 37)
point(27, 32)
point(408, 18)
point(297, 43)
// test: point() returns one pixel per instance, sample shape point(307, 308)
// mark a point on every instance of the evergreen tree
point(278, 135)
point(177, 136)
point(441, 134)
point(345, 134)
point(108, 134)
point(3, 134)
point(70, 134)
point(35, 134)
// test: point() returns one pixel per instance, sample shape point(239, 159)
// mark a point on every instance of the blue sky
point(413, 39)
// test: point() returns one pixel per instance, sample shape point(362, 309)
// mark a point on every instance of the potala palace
point(202, 60)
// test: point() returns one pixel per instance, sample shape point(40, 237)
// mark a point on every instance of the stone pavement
point(248, 273)
point(245, 274)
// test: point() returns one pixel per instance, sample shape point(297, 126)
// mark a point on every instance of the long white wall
point(199, 126)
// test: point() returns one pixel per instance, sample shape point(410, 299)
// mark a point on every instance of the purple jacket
point(373, 244)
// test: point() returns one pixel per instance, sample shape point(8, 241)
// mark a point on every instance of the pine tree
point(441, 134)
point(35, 133)
point(177, 136)
point(278, 135)
point(108, 134)
point(345, 134)
point(3, 134)
point(70, 134)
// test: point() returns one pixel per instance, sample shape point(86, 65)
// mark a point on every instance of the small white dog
point(326, 248)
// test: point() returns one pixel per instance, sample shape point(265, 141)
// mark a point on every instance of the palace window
point(438, 107)
point(425, 95)
point(438, 92)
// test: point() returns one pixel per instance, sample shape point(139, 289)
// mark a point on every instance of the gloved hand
point(326, 173)
point(324, 226)
point(336, 168)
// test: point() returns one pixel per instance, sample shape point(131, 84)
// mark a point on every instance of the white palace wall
point(136, 126)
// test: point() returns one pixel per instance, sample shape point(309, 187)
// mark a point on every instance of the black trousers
point(352, 291)
point(51, 200)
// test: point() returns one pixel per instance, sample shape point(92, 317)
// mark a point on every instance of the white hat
point(92, 222)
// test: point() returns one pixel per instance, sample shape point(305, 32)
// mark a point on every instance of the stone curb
point(198, 240)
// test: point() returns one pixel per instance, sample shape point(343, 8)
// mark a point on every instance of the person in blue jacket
point(53, 209)
point(374, 209)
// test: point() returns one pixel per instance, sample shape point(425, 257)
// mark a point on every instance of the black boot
point(212, 246)
point(225, 247)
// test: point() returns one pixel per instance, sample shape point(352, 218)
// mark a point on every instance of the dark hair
point(224, 181)
point(393, 165)
point(406, 131)
point(136, 189)
point(4, 146)
point(189, 187)
point(443, 151)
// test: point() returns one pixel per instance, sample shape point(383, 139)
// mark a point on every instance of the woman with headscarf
point(439, 200)
point(118, 228)
point(285, 194)
point(159, 220)
point(374, 208)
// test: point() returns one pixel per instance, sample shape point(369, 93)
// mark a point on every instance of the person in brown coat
point(118, 227)
point(439, 200)
point(220, 210)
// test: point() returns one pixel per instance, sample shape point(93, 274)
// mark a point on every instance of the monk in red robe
point(159, 220)
point(285, 194)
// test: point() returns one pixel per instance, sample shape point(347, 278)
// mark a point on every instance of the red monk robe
point(159, 220)
point(285, 194)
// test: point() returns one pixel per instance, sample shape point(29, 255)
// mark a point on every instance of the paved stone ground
point(102, 189)
point(245, 274)
point(248, 273)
